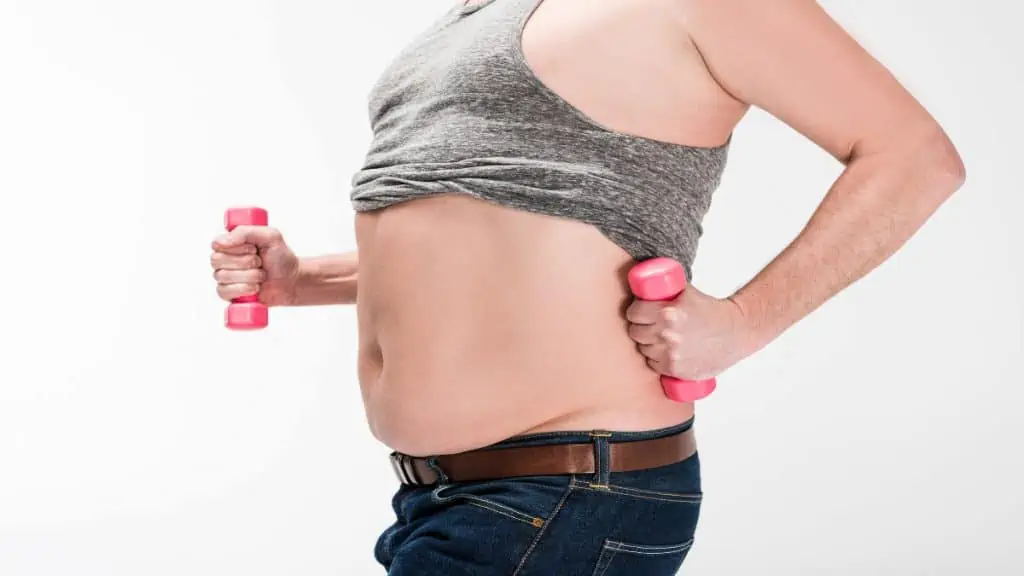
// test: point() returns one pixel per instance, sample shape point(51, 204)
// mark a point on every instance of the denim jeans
point(638, 523)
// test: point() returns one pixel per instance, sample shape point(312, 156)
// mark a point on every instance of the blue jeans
point(639, 523)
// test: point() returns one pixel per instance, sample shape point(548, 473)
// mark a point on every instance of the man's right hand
point(255, 260)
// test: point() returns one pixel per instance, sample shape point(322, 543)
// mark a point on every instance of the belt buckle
point(404, 469)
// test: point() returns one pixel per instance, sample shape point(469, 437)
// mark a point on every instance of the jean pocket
point(530, 500)
point(624, 559)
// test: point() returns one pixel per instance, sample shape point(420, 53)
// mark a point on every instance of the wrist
point(309, 278)
point(325, 280)
point(307, 272)
point(754, 332)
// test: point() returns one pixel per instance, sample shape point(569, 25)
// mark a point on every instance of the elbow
point(944, 166)
point(926, 157)
point(954, 169)
point(928, 164)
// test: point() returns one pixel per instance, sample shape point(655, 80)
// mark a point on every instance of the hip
point(638, 523)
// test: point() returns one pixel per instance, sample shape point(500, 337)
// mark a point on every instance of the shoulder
point(790, 58)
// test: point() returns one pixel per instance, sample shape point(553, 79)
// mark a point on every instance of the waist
point(478, 323)
point(594, 452)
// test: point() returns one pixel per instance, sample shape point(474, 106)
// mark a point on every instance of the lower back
point(479, 322)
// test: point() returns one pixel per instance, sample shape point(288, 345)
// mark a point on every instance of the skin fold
point(479, 322)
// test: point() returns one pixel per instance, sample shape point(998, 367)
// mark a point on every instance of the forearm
point(875, 206)
point(325, 280)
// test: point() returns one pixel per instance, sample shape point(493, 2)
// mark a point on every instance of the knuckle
point(236, 262)
point(669, 335)
point(675, 312)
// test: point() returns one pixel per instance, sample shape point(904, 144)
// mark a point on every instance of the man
point(526, 154)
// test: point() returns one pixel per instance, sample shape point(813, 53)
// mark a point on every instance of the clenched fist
point(693, 337)
point(255, 260)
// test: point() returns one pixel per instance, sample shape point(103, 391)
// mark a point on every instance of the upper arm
point(789, 58)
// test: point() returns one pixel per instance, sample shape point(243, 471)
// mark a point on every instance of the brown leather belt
point(554, 459)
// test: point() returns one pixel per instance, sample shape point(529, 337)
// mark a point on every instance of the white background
point(138, 437)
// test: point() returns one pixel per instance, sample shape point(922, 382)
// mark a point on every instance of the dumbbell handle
point(246, 312)
point(662, 279)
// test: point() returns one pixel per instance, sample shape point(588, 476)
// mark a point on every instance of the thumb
point(259, 236)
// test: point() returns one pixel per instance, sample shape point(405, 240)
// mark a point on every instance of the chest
point(460, 54)
point(625, 64)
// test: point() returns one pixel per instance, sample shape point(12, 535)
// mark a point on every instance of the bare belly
point(479, 322)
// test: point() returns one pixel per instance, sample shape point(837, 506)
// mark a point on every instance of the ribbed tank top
point(460, 111)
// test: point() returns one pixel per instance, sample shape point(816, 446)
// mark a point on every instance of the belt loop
point(602, 460)
point(442, 478)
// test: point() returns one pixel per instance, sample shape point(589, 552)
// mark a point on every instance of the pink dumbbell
point(662, 279)
point(245, 313)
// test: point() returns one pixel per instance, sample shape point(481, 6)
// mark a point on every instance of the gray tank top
point(459, 111)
